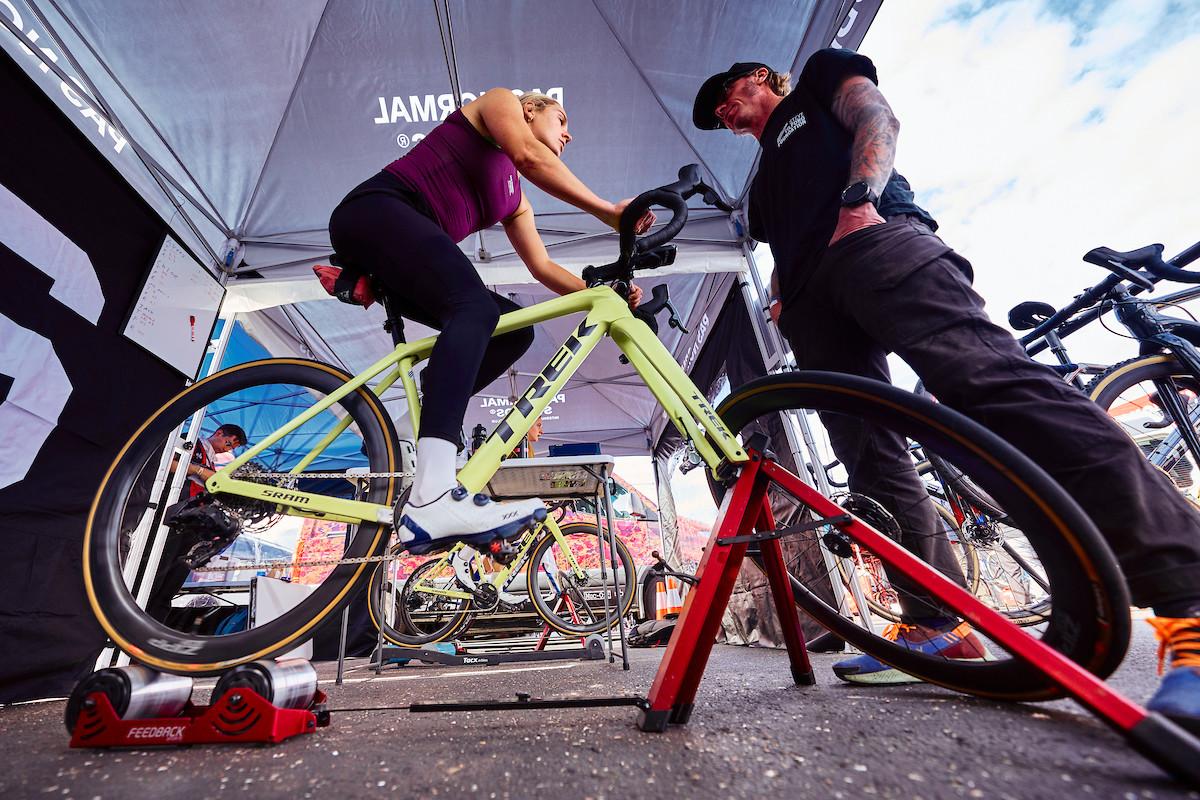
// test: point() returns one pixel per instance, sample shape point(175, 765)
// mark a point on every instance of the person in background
point(180, 543)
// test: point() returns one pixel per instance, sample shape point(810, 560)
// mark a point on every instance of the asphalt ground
point(753, 734)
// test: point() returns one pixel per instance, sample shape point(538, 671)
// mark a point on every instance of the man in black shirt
point(859, 272)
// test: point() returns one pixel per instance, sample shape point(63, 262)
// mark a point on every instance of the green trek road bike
point(320, 404)
point(565, 573)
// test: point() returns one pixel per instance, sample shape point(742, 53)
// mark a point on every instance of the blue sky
point(1035, 130)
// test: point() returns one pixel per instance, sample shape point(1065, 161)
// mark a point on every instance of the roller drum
point(135, 692)
point(284, 684)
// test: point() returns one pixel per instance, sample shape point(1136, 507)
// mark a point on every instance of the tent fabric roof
point(245, 123)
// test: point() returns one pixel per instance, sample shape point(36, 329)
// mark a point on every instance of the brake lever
point(709, 195)
point(673, 320)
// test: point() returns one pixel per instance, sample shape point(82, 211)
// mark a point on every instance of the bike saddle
point(1127, 265)
point(1028, 315)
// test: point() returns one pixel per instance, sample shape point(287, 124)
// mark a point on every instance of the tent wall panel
point(73, 387)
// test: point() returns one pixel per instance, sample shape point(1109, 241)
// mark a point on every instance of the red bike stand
point(745, 518)
point(241, 716)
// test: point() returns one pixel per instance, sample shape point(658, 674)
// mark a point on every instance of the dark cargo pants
point(898, 288)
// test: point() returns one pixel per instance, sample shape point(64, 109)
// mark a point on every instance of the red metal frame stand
point(240, 716)
point(745, 509)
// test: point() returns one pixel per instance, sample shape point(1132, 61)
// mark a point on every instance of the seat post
point(393, 323)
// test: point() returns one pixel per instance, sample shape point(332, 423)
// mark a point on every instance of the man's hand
point(855, 219)
point(642, 225)
point(635, 296)
point(775, 309)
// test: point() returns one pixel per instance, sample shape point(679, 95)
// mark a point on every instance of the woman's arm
point(500, 113)
point(526, 240)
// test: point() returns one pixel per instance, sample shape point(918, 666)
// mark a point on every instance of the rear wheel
point(1089, 619)
point(131, 503)
point(421, 607)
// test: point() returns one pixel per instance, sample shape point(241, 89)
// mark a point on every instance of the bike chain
point(347, 475)
point(326, 562)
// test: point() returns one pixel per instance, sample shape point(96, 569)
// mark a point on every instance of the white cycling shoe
point(459, 516)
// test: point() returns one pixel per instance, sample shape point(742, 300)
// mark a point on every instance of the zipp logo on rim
point(181, 647)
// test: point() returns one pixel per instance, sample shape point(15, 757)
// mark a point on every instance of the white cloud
point(999, 137)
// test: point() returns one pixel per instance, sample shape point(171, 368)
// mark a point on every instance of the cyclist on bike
point(859, 273)
point(402, 226)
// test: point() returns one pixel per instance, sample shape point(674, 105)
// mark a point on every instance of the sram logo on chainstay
point(524, 406)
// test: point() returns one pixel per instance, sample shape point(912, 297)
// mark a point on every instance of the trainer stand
point(745, 518)
point(550, 478)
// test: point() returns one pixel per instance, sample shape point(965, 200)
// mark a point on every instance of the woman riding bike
point(402, 225)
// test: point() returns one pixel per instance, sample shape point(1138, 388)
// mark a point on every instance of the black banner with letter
point(75, 244)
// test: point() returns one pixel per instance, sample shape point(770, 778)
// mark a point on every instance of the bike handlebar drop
point(652, 251)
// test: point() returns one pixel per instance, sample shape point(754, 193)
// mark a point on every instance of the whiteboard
point(177, 309)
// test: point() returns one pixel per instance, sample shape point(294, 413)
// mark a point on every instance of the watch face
point(855, 193)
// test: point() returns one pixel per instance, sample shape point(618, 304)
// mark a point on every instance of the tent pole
point(668, 515)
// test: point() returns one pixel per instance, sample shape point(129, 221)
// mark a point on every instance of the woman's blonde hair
point(539, 100)
point(780, 82)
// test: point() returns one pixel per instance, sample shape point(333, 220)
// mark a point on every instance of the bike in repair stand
point(1083, 640)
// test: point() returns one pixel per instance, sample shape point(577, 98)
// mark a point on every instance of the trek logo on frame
point(541, 384)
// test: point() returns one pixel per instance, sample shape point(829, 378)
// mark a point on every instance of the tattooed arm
point(860, 107)
point(863, 111)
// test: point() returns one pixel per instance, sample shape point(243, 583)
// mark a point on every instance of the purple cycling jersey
point(468, 182)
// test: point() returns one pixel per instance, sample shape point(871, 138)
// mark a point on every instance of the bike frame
point(510, 570)
point(606, 315)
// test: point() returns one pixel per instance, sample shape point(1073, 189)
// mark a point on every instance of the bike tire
point(1108, 390)
point(1090, 620)
point(151, 642)
point(406, 634)
point(546, 609)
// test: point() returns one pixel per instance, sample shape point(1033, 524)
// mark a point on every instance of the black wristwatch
point(858, 193)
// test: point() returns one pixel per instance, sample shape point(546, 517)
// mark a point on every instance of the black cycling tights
point(432, 283)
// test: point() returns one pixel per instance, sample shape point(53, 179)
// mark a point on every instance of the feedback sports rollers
point(134, 706)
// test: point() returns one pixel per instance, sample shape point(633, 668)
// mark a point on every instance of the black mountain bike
point(1154, 396)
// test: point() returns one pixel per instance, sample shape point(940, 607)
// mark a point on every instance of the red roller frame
point(745, 509)
point(240, 716)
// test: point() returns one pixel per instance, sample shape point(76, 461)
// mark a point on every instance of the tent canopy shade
point(244, 124)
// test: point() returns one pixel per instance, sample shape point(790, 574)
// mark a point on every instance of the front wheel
point(880, 428)
point(1148, 396)
point(572, 582)
point(240, 533)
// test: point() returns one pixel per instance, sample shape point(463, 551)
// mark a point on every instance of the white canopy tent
point(244, 123)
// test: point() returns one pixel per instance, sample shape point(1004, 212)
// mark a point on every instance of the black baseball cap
point(712, 92)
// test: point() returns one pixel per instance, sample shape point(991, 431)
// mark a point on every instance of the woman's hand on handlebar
point(635, 296)
point(642, 224)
